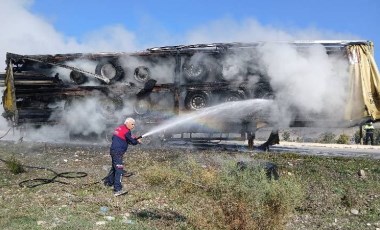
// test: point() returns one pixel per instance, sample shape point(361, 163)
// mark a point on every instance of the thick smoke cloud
point(309, 81)
point(249, 30)
point(26, 33)
point(288, 70)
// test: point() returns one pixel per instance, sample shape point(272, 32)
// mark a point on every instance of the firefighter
point(368, 133)
point(121, 138)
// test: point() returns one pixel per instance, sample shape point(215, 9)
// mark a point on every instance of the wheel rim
point(230, 98)
point(77, 77)
point(108, 71)
point(142, 74)
point(141, 107)
point(193, 70)
point(198, 102)
point(107, 108)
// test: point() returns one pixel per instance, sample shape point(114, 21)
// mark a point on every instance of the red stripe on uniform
point(121, 131)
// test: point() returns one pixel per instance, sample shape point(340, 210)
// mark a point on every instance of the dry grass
point(187, 189)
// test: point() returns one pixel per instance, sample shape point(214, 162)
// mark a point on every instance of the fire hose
point(31, 183)
point(6, 133)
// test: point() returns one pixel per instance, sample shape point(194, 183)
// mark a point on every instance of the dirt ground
point(94, 160)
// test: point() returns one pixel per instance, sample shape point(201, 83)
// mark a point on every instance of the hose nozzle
point(139, 137)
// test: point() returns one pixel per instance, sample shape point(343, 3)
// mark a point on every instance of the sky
point(63, 26)
point(82, 26)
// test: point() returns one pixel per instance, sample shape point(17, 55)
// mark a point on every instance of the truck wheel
point(78, 77)
point(194, 70)
point(263, 90)
point(110, 70)
point(107, 107)
point(141, 107)
point(233, 96)
point(197, 100)
point(142, 74)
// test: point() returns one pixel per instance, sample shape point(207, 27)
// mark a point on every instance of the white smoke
point(87, 116)
point(250, 30)
point(90, 116)
point(160, 69)
point(310, 81)
point(26, 33)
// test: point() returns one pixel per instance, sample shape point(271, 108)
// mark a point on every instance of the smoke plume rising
point(305, 80)
point(310, 81)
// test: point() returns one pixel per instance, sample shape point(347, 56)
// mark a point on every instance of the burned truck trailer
point(157, 84)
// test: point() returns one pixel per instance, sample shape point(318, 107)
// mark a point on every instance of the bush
point(327, 138)
point(343, 139)
point(156, 175)
point(235, 198)
point(357, 137)
point(14, 166)
point(286, 136)
point(249, 200)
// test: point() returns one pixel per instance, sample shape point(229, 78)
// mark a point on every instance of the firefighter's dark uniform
point(122, 136)
point(369, 133)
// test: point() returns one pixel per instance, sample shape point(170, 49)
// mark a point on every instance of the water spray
point(227, 109)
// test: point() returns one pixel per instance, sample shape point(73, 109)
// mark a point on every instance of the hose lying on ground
point(31, 183)
point(6, 133)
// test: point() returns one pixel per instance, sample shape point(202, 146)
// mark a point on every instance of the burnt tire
point(194, 70)
point(142, 74)
point(233, 96)
point(108, 106)
point(78, 77)
point(110, 70)
point(141, 107)
point(197, 100)
point(263, 90)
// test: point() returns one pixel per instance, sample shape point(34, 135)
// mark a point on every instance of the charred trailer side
point(160, 83)
point(37, 93)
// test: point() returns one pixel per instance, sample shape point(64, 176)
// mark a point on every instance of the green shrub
point(158, 175)
point(286, 136)
point(236, 198)
point(14, 166)
point(327, 137)
point(349, 198)
point(249, 200)
point(343, 139)
point(357, 137)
